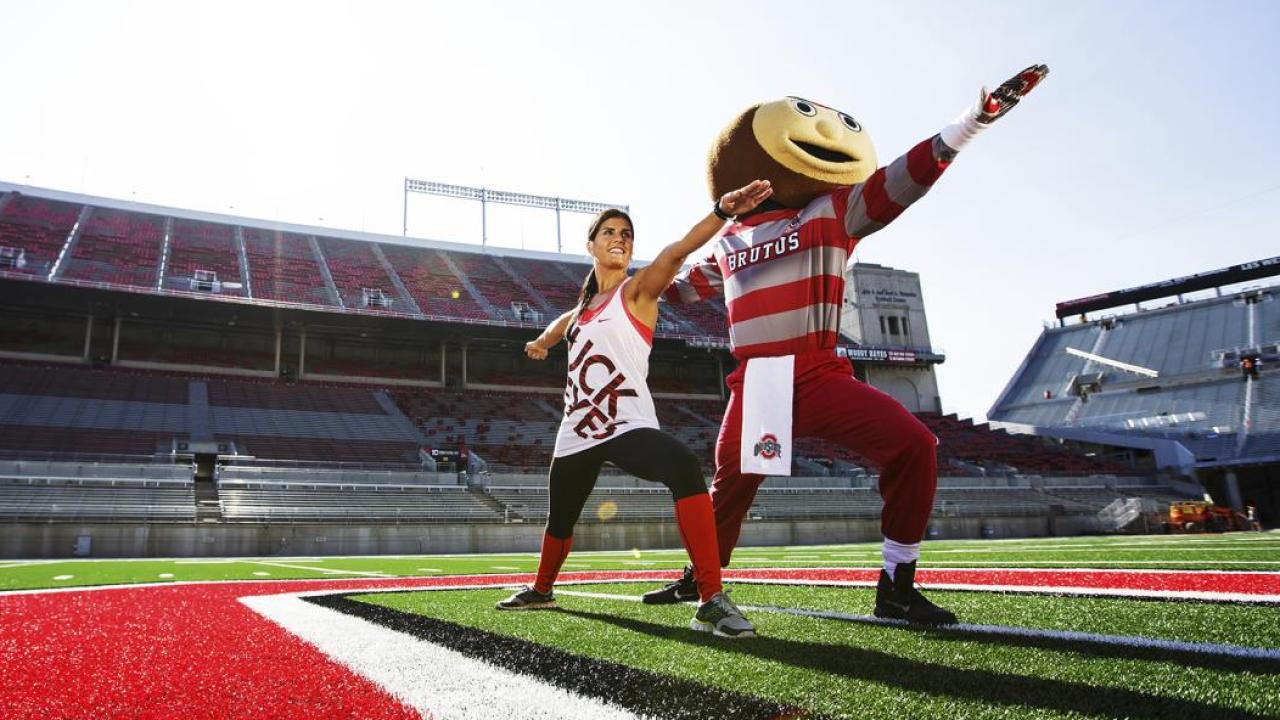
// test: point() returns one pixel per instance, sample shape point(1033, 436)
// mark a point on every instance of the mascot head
point(803, 148)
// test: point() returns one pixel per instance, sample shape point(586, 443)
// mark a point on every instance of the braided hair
point(590, 286)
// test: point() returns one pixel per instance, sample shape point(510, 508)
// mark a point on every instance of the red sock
point(698, 531)
point(554, 551)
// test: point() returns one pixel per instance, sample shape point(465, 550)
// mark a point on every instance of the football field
point(1141, 627)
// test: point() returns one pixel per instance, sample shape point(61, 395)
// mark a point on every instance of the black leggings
point(647, 453)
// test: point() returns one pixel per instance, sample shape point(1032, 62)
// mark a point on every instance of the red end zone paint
point(192, 651)
point(185, 652)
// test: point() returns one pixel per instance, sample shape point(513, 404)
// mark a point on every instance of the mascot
point(781, 271)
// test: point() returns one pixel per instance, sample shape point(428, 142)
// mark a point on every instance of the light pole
point(486, 196)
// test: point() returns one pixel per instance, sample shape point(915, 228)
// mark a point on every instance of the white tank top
point(607, 391)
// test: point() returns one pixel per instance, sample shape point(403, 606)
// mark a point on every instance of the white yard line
point(1065, 570)
point(1216, 649)
point(929, 563)
point(1099, 549)
point(322, 571)
point(402, 664)
point(27, 563)
point(1249, 598)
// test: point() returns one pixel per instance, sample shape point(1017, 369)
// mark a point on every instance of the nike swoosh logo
point(897, 605)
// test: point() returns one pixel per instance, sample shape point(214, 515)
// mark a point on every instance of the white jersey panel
point(607, 390)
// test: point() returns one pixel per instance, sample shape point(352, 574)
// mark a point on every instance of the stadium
point(183, 385)
point(259, 464)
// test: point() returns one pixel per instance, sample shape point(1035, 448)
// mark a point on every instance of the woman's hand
point(535, 351)
point(745, 199)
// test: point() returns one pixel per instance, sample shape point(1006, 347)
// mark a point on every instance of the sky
point(1151, 150)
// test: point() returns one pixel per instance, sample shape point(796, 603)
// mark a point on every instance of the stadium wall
point(137, 540)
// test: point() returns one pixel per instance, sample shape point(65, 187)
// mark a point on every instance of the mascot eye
point(850, 123)
point(804, 108)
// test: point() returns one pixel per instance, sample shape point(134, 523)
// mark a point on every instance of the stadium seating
point(286, 473)
point(124, 248)
point(45, 491)
point(25, 440)
point(604, 504)
point(38, 226)
point(980, 445)
point(431, 282)
point(273, 395)
point(84, 382)
point(243, 501)
point(1096, 497)
point(773, 504)
point(26, 499)
point(354, 267)
point(709, 317)
point(1197, 396)
point(283, 267)
point(492, 282)
point(792, 503)
point(556, 286)
point(118, 248)
point(107, 412)
point(206, 247)
point(209, 350)
point(1174, 341)
point(517, 431)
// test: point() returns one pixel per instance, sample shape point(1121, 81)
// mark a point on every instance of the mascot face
point(803, 148)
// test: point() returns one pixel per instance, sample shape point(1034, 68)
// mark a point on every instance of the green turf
point(854, 670)
point(1249, 625)
point(1237, 551)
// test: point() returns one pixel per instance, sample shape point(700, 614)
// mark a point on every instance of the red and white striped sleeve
point(698, 282)
point(877, 201)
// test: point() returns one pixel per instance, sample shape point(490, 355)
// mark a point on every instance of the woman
point(609, 413)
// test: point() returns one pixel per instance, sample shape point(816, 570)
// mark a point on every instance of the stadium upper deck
point(1202, 374)
point(58, 237)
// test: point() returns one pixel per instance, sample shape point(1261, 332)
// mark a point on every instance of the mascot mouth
point(822, 153)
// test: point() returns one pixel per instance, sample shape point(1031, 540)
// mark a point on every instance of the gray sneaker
point(722, 618)
point(528, 599)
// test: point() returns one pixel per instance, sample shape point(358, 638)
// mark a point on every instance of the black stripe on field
point(1205, 658)
point(639, 691)
point(1016, 693)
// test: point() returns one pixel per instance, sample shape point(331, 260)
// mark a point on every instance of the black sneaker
point(528, 599)
point(682, 590)
point(898, 599)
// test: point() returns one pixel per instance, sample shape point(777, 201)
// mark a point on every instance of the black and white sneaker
point(898, 599)
point(528, 599)
point(682, 590)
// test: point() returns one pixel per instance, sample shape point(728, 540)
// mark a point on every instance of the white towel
point(766, 415)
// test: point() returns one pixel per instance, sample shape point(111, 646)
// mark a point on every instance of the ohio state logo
point(768, 447)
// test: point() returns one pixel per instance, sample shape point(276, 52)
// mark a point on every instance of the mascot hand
point(993, 105)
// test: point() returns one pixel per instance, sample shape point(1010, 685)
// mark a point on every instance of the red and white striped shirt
point(782, 271)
